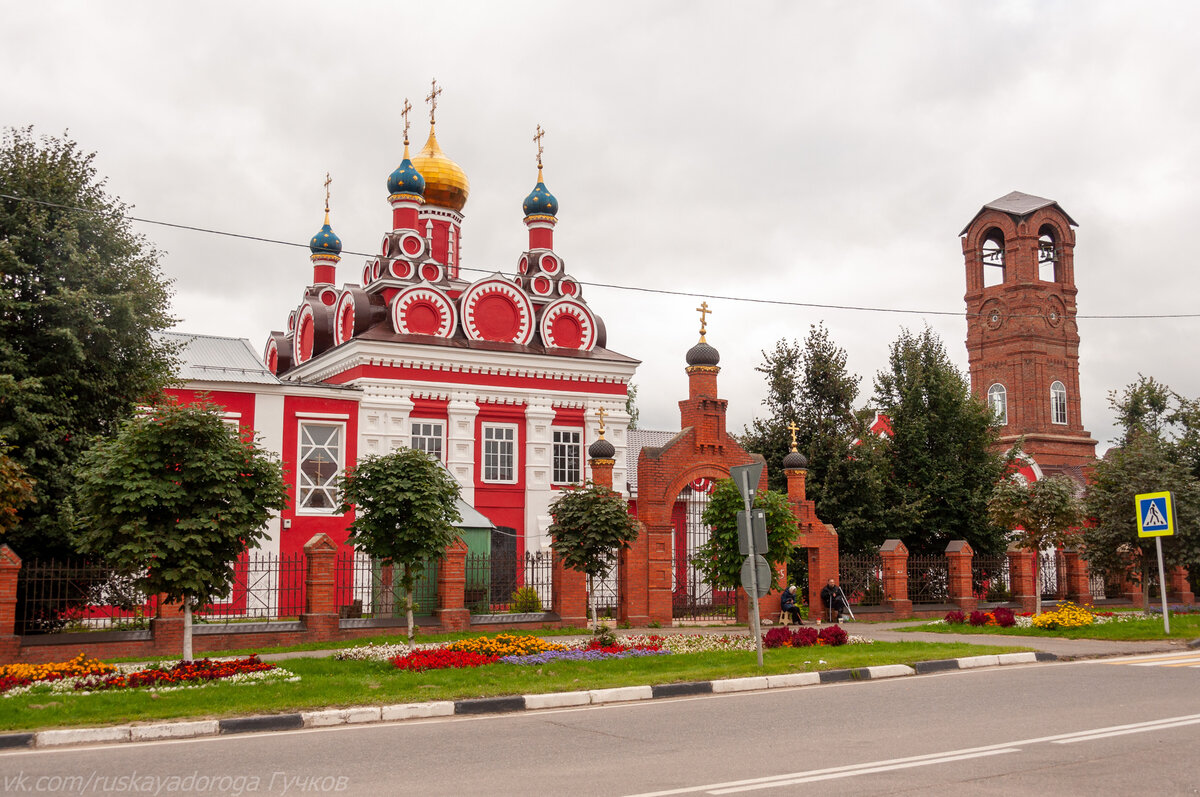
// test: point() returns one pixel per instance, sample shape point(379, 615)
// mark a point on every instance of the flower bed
point(505, 645)
point(804, 637)
point(85, 676)
point(1065, 615)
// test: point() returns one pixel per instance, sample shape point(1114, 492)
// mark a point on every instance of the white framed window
point(427, 436)
point(567, 457)
point(320, 463)
point(998, 403)
point(500, 453)
point(1058, 403)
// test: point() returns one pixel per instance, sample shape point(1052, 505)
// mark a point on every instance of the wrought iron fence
point(1097, 586)
point(1052, 574)
point(266, 586)
point(64, 597)
point(692, 596)
point(608, 592)
point(990, 581)
point(928, 579)
point(503, 582)
point(366, 588)
point(861, 578)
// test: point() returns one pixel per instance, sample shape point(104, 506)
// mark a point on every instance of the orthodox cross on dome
point(601, 413)
point(538, 139)
point(704, 312)
point(328, 180)
point(404, 114)
point(434, 91)
point(793, 428)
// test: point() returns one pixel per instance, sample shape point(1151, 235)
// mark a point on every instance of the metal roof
point(635, 441)
point(210, 358)
point(1017, 204)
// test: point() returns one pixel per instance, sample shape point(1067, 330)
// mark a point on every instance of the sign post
point(1156, 518)
point(746, 478)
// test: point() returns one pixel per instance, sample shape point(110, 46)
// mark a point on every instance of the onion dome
point(540, 201)
point(703, 354)
point(446, 184)
point(325, 242)
point(406, 179)
point(795, 461)
point(601, 449)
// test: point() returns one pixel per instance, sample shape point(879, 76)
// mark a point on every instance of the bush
point(526, 600)
point(955, 618)
point(804, 637)
point(1004, 617)
point(833, 635)
point(979, 618)
point(778, 637)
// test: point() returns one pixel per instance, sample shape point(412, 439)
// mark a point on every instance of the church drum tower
point(1022, 339)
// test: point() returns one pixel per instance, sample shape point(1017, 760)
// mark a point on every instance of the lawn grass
point(1184, 626)
point(327, 682)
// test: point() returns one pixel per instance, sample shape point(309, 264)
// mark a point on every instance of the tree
point(16, 490)
point(631, 408)
point(81, 297)
point(1151, 407)
point(1042, 514)
point(770, 436)
point(942, 468)
point(174, 499)
point(719, 559)
point(591, 524)
point(405, 505)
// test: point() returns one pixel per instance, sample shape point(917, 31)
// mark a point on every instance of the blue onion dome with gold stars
point(406, 179)
point(540, 201)
point(325, 242)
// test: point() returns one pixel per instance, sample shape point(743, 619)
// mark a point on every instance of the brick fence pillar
point(895, 577)
point(961, 586)
point(1020, 577)
point(166, 628)
point(10, 643)
point(1130, 588)
point(452, 612)
point(1079, 583)
point(1178, 587)
point(569, 595)
point(320, 615)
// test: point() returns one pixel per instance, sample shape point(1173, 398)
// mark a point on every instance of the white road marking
point(946, 756)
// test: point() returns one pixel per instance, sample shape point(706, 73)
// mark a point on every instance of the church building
point(503, 376)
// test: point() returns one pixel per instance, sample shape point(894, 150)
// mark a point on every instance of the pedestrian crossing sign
point(1155, 514)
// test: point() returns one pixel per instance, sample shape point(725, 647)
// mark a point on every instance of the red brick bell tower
point(1022, 339)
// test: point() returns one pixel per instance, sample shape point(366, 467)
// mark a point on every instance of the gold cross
point(328, 180)
point(792, 427)
point(601, 413)
point(432, 100)
point(703, 311)
point(404, 113)
point(538, 139)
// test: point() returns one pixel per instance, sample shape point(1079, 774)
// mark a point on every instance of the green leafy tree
point(719, 559)
point(16, 491)
point(1145, 464)
point(769, 436)
point(405, 505)
point(173, 499)
point(1150, 407)
point(942, 468)
point(1042, 514)
point(631, 407)
point(81, 296)
point(591, 524)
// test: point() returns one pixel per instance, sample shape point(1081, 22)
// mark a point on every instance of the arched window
point(1047, 255)
point(998, 403)
point(992, 255)
point(1058, 403)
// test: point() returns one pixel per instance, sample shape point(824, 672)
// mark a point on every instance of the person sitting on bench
point(787, 603)
point(831, 596)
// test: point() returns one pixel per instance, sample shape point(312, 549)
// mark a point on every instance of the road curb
point(324, 718)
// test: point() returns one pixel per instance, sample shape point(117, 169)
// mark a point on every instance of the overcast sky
point(826, 153)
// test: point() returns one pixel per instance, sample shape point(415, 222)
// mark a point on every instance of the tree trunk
point(1037, 582)
point(187, 629)
point(408, 606)
point(592, 598)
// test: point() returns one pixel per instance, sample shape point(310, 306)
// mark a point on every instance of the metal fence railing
point(861, 578)
point(366, 588)
point(503, 582)
point(65, 597)
point(266, 587)
point(928, 579)
point(1052, 575)
point(990, 581)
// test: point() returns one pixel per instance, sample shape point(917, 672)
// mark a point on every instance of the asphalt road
point(1087, 728)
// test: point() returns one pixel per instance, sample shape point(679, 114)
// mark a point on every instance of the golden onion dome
point(446, 184)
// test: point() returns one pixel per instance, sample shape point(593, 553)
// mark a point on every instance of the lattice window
point(500, 453)
point(320, 458)
point(1058, 403)
point(427, 436)
point(568, 456)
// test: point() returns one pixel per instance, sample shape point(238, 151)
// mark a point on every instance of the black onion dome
point(601, 449)
point(703, 354)
point(795, 461)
